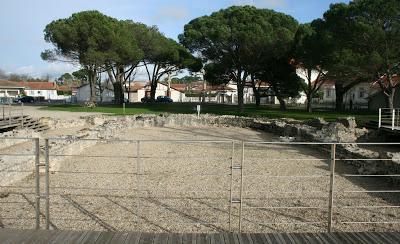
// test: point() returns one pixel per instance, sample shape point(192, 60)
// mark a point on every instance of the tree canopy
point(86, 38)
point(231, 41)
point(362, 38)
point(103, 44)
point(353, 42)
point(310, 58)
point(186, 79)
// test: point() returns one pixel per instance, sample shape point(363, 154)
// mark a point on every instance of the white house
point(83, 94)
point(40, 90)
point(139, 90)
point(10, 89)
point(199, 90)
point(355, 98)
point(266, 93)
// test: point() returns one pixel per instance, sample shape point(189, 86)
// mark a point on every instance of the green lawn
point(219, 109)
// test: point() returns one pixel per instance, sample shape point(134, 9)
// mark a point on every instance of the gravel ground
point(185, 187)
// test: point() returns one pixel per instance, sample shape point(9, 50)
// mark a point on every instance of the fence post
point(37, 179)
point(47, 186)
point(380, 118)
point(123, 107)
point(393, 117)
point(22, 115)
point(9, 113)
point(138, 190)
point(241, 189)
point(230, 189)
point(331, 186)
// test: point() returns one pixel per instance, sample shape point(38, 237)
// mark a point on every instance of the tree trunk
point(118, 93)
point(241, 81)
point(240, 88)
point(258, 98)
point(129, 91)
point(390, 98)
point(92, 85)
point(256, 93)
point(339, 89)
point(153, 89)
point(282, 103)
point(309, 102)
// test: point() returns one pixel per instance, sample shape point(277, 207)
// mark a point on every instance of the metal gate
point(161, 185)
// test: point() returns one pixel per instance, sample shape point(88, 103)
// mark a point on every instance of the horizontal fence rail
point(197, 185)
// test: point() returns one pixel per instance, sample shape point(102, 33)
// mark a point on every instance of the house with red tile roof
point(40, 90)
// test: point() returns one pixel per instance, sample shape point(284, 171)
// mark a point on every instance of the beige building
point(139, 90)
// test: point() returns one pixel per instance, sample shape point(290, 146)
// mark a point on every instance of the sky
point(22, 23)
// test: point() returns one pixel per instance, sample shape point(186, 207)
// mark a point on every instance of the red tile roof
point(7, 83)
point(64, 88)
point(395, 80)
point(137, 86)
point(179, 87)
point(38, 85)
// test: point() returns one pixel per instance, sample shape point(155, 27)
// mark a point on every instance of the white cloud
point(263, 3)
point(59, 68)
point(52, 69)
point(55, 70)
point(25, 69)
point(171, 13)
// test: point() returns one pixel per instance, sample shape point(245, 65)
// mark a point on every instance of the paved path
point(57, 236)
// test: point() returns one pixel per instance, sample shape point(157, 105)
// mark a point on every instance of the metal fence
point(9, 111)
point(389, 118)
point(19, 160)
point(12, 116)
point(210, 185)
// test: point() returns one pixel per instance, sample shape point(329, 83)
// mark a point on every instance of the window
point(361, 93)
point(328, 93)
point(39, 92)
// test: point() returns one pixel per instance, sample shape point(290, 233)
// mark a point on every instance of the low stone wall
point(317, 130)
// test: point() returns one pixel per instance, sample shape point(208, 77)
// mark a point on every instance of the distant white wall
point(9, 92)
point(161, 90)
point(47, 94)
point(83, 95)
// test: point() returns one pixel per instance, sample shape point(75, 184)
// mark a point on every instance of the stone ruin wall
point(316, 130)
